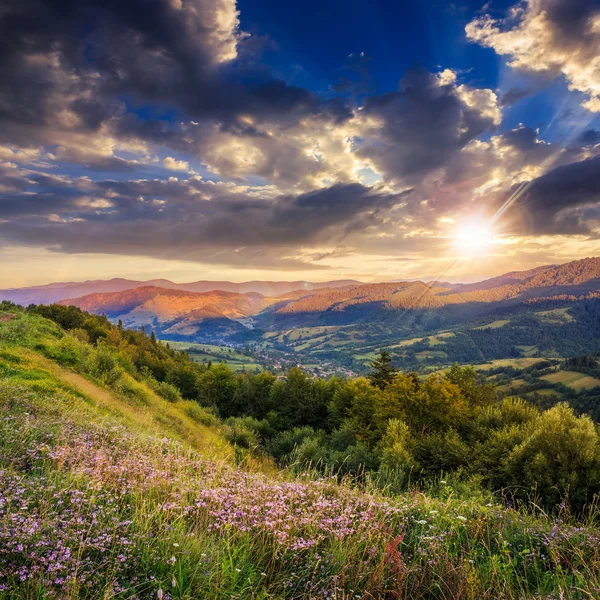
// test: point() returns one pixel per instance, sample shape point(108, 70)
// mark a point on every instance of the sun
point(473, 238)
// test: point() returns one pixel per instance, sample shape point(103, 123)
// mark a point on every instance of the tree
point(382, 371)
point(153, 338)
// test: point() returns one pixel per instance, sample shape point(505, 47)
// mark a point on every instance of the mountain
point(575, 278)
point(174, 311)
point(549, 311)
point(55, 292)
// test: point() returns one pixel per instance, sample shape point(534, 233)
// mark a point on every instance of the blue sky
point(197, 139)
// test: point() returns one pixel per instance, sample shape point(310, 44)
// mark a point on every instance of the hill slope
point(575, 278)
point(108, 491)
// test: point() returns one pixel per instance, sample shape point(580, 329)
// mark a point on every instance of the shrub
point(168, 391)
point(239, 434)
point(202, 415)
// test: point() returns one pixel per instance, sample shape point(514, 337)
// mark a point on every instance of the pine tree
point(382, 370)
point(120, 325)
point(153, 338)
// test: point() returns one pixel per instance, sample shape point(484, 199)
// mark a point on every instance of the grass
point(113, 496)
point(431, 354)
point(546, 392)
point(434, 340)
point(516, 383)
point(152, 414)
point(520, 363)
point(557, 315)
point(494, 324)
point(528, 351)
point(573, 379)
point(212, 353)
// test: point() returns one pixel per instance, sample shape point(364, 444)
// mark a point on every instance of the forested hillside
point(548, 312)
point(129, 471)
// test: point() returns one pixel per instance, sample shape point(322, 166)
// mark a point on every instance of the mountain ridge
point(58, 291)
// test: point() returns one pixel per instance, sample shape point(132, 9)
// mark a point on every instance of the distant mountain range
point(55, 292)
point(552, 310)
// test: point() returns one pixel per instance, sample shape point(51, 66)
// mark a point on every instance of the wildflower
point(159, 594)
point(461, 518)
point(421, 522)
point(172, 560)
point(174, 582)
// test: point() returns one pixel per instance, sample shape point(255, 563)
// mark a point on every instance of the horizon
point(243, 141)
point(425, 279)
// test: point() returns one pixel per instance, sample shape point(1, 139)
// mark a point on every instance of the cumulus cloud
point(559, 199)
point(411, 133)
point(556, 37)
point(173, 164)
point(290, 176)
point(190, 219)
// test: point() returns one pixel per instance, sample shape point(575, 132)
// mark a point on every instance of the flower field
point(90, 509)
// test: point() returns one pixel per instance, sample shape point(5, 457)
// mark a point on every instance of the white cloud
point(558, 37)
point(176, 165)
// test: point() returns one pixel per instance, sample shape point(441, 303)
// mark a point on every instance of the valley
point(548, 312)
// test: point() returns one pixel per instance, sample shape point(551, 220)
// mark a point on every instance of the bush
point(68, 351)
point(168, 391)
point(239, 434)
point(204, 416)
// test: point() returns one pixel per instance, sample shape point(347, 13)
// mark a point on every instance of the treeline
point(410, 431)
point(392, 428)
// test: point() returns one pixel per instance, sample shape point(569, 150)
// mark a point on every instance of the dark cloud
point(66, 65)
point(590, 137)
point(177, 220)
point(556, 200)
point(416, 130)
point(514, 95)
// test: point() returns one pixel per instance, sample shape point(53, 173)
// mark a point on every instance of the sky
point(317, 140)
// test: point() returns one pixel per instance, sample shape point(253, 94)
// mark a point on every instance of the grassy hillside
point(210, 353)
point(109, 490)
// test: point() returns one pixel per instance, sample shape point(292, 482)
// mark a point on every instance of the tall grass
point(91, 509)
point(110, 490)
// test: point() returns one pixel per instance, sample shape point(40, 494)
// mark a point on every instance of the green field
point(211, 353)
point(558, 315)
point(528, 350)
point(519, 363)
point(573, 379)
point(513, 385)
point(431, 354)
point(494, 324)
point(434, 340)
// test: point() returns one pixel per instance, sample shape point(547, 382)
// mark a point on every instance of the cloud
point(415, 131)
point(82, 67)
point(172, 164)
point(558, 199)
point(189, 220)
point(291, 178)
point(555, 37)
point(513, 96)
